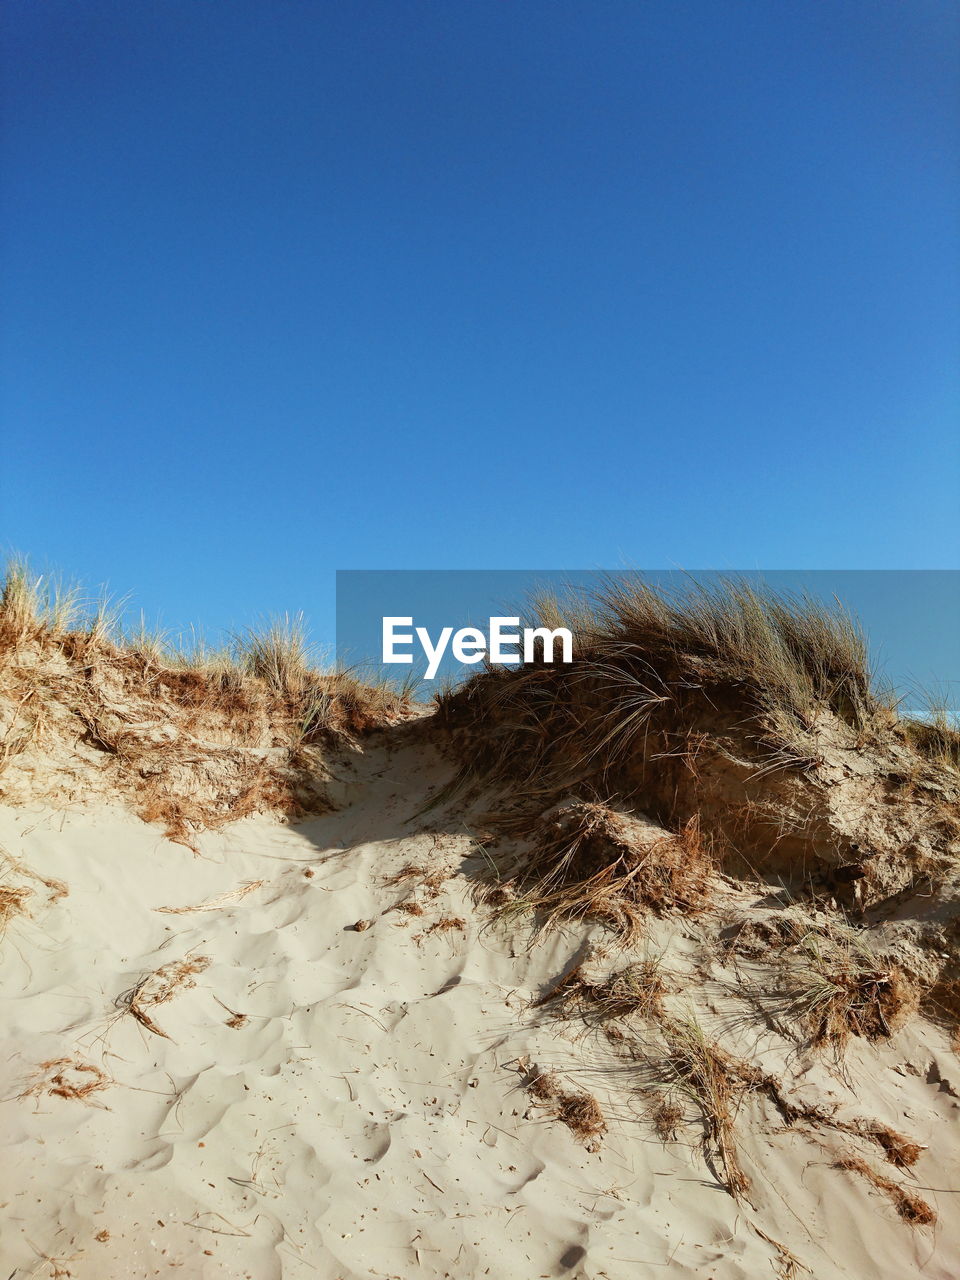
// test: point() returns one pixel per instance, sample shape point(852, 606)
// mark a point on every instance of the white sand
point(367, 1119)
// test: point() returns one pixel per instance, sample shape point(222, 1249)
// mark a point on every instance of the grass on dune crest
point(935, 734)
point(788, 653)
point(649, 660)
point(32, 606)
point(717, 704)
point(275, 661)
point(198, 736)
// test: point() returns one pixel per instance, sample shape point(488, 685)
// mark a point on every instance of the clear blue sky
point(299, 285)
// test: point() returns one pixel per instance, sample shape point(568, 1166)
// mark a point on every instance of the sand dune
point(301, 1097)
point(646, 966)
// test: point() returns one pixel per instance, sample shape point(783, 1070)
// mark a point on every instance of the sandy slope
point(364, 1115)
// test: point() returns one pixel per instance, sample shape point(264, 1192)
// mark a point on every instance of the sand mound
point(189, 742)
point(453, 1027)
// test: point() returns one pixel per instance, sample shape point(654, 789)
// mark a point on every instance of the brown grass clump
point(409, 871)
point(709, 1078)
point(411, 907)
point(446, 923)
point(583, 1116)
point(911, 1207)
point(937, 735)
point(645, 659)
point(635, 991)
point(19, 886)
point(579, 1111)
point(592, 861)
point(544, 1085)
point(726, 706)
point(158, 987)
point(841, 989)
point(431, 880)
point(898, 1148)
point(666, 1118)
point(192, 739)
point(66, 1078)
point(248, 787)
point(13, 902)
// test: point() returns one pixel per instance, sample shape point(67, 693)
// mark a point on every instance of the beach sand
point(302, 1051)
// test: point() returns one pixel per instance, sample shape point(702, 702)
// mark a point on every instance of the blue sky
point(291, 287)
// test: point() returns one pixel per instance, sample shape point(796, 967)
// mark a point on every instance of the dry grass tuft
point(590, 861)
point(19, 886)
point(648, 662)
point(839, 988)
point(898, 1148)
point(32, 605)
point(544, 1085)
point(158, 987)
point(666, 1117)
point(430, 881)
point(409, 871)
point(705, 1074)
point(635, 991)
point(410, 907)
point(69, 1079)
point(579, 1111)
point(194, 739)
point(937, 735)
point(583, 1116)
point(911, 1207)
point(13, 902)
point(280, 655)
point(446, 923)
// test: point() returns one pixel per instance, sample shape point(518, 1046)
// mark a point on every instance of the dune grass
point(713, 710)
point(935, 734)
point(196, 735)
point(586, 860)
point(652, 666)
point(911, 1207)
point(699, 1070)
point(838, 987)
point(275, 660)
point(578, 1110)
point(635, 991)
point(32, 605)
